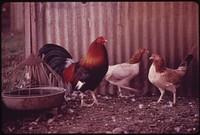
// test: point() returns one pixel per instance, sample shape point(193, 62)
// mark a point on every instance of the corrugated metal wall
point(16, 17)
point(167, 28)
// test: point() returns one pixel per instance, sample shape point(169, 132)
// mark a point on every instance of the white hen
point(121, 74)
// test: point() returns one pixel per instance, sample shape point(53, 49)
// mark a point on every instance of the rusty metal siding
point(167, 28)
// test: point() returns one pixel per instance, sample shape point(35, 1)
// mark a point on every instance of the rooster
point(121, 74)
point(166, 78)
point(86, 74)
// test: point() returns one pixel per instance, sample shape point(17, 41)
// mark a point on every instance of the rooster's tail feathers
point(59, 51)
point(56, 57)
point(187, 60)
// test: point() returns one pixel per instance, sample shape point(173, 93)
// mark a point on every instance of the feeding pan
point(33, 85)
point(34, 98)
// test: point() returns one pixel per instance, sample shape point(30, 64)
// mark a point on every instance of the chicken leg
point(162, 92)
point(95, 101)
point(174, 97)
point(120, 91)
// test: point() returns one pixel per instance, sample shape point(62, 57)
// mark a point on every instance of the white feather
point(121, 74)
point(159, 79)
point(123, 70)
point(68, 62)
point(79, 85)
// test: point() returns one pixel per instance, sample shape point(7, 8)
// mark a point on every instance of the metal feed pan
point(41, 98)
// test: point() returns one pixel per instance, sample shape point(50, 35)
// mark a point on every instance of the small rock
point(30, 128)
point(177, 129)
point(50, 120)
point(164, 106)
point(128, 118)
point(106, 97)
point(98, 95)
point(189, 130)
point(117, 131)
point(60, 115)
point(10, 129)
point(131, 95)
point(71, 110)
point(153, 125)
point(108, 132)
point(54, 132)
point(75, 94)
point(67, 98)
point(126, 97)
point(140, 106)
point(33, 123)
point(62, 123)
point(133, 99)
point(190, 103)
point(170, 104)
point(50, 128)
point(37, 120)
point(113, 118)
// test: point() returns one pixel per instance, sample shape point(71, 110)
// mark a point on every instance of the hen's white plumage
point(121, 74)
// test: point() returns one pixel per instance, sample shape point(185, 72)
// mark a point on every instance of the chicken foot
point(125, 87)
point(95, 101)
point(162, 91)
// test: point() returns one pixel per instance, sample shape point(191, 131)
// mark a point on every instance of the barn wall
point(166, 28)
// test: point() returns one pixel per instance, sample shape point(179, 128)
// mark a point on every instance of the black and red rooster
point(86, 74)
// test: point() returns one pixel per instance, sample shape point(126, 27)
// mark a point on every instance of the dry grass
point(13, 47)
point(12, 53)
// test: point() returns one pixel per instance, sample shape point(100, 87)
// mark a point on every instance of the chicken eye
point(99, 40)
point(143, 50)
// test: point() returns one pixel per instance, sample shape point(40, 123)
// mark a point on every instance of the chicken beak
point(105, 41)
point(151, 58)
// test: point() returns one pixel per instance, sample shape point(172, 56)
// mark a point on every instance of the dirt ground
point(131, 114)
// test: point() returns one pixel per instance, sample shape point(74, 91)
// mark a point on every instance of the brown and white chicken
point(166, 78)
point(121, 74)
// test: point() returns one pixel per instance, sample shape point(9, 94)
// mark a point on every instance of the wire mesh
point(29, 74)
